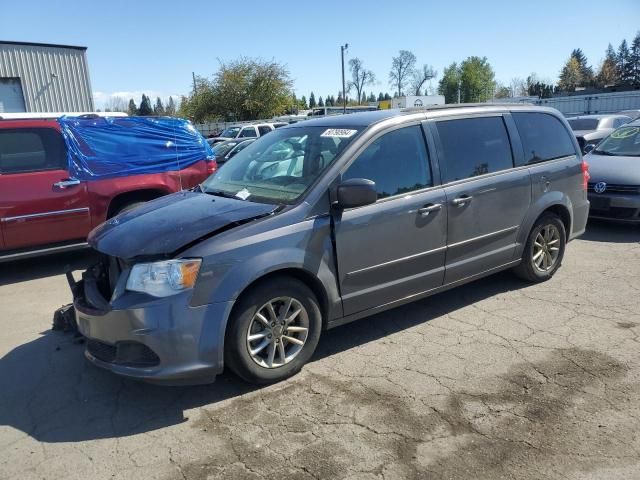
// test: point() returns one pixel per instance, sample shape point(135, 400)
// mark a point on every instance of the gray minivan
point(324, 222)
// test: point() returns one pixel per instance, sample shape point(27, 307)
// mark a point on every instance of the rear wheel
point(127, 207)
point(544, 250)
point(273, 331)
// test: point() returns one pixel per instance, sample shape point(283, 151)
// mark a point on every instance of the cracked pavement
point(495, 379)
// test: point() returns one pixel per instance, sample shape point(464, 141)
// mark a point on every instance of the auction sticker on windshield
point(243, 194)
point(338, 133)
point(625, 132)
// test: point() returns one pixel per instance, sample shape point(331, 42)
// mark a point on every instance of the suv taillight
point(585, 175)
point(212, 166)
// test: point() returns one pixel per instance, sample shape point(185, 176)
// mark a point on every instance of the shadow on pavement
point(611, 232)
point(45, 266)
point(49, 391)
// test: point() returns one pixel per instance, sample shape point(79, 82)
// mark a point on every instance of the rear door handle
point(68, 182)
point(425, 211)
point(461, 201)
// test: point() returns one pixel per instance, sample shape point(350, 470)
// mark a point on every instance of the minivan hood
point(615, 170)
point(164, 225)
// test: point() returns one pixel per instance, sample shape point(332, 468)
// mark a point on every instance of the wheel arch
point(130, 196)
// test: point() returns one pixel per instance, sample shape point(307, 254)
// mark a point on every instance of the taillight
point(212, 166)
point(585, 175)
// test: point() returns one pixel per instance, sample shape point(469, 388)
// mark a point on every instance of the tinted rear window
point(31, 150)
point(543, 137)
point(583, 123)
point(474, 146)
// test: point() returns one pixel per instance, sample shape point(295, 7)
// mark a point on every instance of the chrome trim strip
point(482, 237)
point(398, 260)
point(42, 251)
point(44, 214)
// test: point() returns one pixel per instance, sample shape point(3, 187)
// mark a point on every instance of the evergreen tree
point(320, 102)
point(303, 102)
point(312, 100)
point(570, 76)
point(171, 108)
point(372, 98)
point(586, 72)
point(449, 83)
point(623, 64)
point(387, 96)
point(339, 101)
point(608, 74)
point(380, 97)
point(634, 60)
point(158, 108)
point(133, 108)
point(333, 101)
point(145, 106)
point(363, 99)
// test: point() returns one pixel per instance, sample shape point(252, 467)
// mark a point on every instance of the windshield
point(230, 132)
point(281, 166)
point(624, 142)
point(221, 149)
point(583, 123)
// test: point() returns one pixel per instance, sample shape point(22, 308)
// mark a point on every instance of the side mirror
point(589, 147)
point(356, 192)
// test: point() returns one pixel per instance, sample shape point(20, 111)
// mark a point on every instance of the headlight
point(165, 278)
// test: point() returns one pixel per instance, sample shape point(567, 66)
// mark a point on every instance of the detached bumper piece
point(131, 354)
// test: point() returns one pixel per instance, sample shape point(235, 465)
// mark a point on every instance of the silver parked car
point(325, 222)
point(614, 190)
point(590, 129)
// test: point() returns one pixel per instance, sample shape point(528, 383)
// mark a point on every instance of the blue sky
point(139, 46)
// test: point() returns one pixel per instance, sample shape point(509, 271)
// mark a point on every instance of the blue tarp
point(109, 147)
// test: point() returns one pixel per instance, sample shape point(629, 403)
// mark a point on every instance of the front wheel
point(273, 331)
point(544, 250)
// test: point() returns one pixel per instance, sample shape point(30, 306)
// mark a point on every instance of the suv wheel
point(273, 331)
point(544, 250)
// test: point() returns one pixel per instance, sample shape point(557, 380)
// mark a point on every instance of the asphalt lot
point(496, 379)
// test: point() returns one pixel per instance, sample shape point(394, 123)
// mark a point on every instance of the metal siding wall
point(69, 91)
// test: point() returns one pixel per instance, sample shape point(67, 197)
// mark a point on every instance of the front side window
point(578, 124)
point(473, 146)
point(248, 132)
point(264, 130)
point(230, 132)
point(31, 150)
point(397, 161)
point(543, 137)
point(279, 167)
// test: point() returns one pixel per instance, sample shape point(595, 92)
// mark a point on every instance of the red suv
point(44, 209)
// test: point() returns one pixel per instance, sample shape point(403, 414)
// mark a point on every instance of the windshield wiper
point(604, 152)
point(221, 193)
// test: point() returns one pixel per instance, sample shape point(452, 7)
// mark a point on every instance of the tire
point(127, 207)
point(539, 264)
point(255, 368)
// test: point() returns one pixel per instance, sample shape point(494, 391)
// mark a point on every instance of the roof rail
point(461, 105)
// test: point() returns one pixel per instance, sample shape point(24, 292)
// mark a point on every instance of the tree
point(420, 77)
point(312, 100)
point(449, 83)
point(158, 108)
point(115, 104)
point(245, 89)
point(371, 98)
point(623, 64)
point(586, 72)
point(360, 77)
point(570, 76)
point(132, 110)
point(380, 97)
point(634, 60)
point(401, 69)
point(339, 100)
point(170, 110)
point(517, 87)
point(608, 73)
point(477, 80)
point(320, 102)
point(502, 91)
point(145, 106)
point(387, 96)
point(303, 102)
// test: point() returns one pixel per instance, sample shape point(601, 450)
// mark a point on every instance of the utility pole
point(344, 96)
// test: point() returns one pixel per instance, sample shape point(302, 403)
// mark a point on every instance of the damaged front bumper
point(161, 340)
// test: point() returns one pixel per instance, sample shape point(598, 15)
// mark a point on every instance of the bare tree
point(116, 104)
point(420, 76)
point(518, 87)
point(360, 76)
point(401, 69)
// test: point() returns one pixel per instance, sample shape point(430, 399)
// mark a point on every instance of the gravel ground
point(496, 379)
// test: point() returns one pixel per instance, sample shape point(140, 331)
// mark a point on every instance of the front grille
point(102, 351)
point(127, 353)
point(620, 213)
point(617, 188)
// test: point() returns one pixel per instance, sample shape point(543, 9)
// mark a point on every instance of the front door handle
point(66, 183)
point(425, 211)
point(462, 201)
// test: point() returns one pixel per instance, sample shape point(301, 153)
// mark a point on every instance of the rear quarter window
point(543, 137)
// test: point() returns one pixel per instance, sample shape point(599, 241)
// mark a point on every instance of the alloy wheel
point(546, 248)
point(277, 332)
